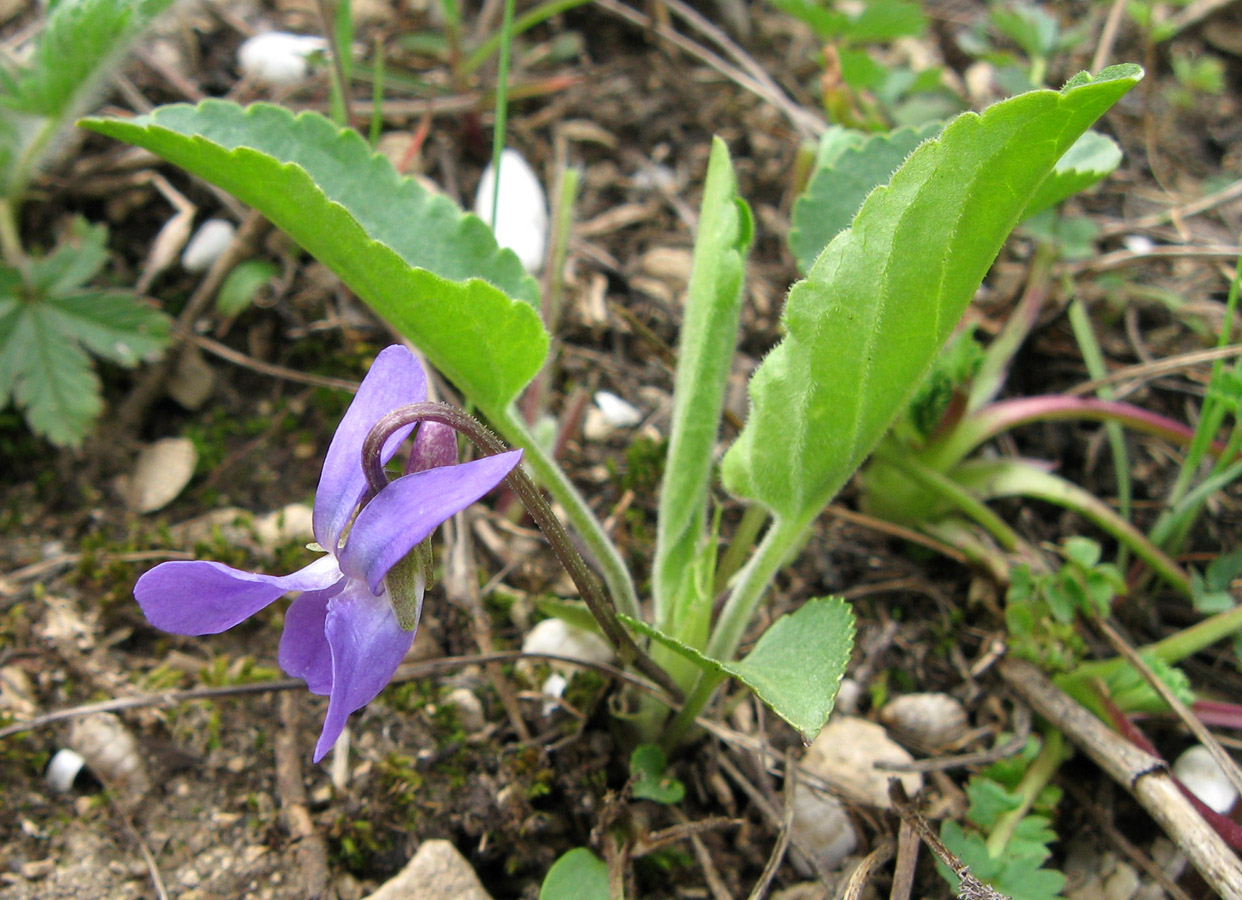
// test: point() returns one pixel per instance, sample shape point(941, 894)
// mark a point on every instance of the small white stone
point(1204, 778)
point(208, 244)
point(617, 412)
point(294, 522)
point(1138, 243)
point(522, 211)
point(63, 769)
point(821, 825)
point(162, 471)
point(469, 709)
point(559, 638)
point(846, 754)
point(925, 720)
point(278, 58)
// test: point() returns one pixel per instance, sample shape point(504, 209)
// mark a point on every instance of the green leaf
point(78, 258)
point(843, 178)
point(432, 271)
point(577, 875)
point(242, 284)
point(881, 299)
point(795, 667)
point(649, 781)
point(44, 369)
point(81, 41)
point(705, 356)
point(1093, 156)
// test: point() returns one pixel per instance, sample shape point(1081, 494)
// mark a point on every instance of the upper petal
point(395, 379)
point(201, 597)
point(410, 508)
point(367, 646)
point(304, 651)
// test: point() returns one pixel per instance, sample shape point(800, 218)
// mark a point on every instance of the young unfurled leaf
point(843, 177)
point(242, 284)
point(705, 355)
point(795, 667)
point(578, 875)
point(432, 271)
point(81, 40)
point(878, 303)
point(650, 781)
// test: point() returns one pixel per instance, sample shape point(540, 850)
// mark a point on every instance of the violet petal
point(395, 379)
point(201, 597)
point(367, 646)
point(410, 508)
point(304, 651)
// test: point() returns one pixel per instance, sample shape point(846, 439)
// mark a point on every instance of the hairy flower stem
point(588, 586)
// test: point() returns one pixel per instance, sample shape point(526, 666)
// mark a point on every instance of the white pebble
point(63, 769)
point(278, 58)
point(1204, 778)
point(559, 638)
point(823, 827)
point(1138, 243)
point(925, 720)
point(208, 244)
point(522, 212)
point(617, 412)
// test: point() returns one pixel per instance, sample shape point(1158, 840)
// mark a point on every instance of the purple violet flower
point(341, 633)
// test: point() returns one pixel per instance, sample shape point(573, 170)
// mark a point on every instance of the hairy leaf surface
point(432, 271)
point(705, 356)
point(876, 306)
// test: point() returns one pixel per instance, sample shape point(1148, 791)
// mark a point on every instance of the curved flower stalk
point(342, 633)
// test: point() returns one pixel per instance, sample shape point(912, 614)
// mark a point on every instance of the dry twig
point(1144, 776)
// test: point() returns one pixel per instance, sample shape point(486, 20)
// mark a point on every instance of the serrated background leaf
point(885, 294)
point(795, 667)
point(1093, 157)
point(432, 271)
point(704, 359)
point(50, 379)
point(842, 182)
point(81, 40)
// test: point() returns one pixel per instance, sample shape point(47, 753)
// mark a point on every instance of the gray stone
point(437, 872)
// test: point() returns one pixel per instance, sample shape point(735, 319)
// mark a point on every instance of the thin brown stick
point(861, 876)
point(807, 123)
point(1108, 35)
point(148, 388)
point(405, 673)
point(715, 884)
point(228, 354)
point(1180, 709)
point(1158, 367)
point(969, 887)
point(312, 851)
point(519, 482)
point(1118, 259)
point(462, 585)
point(760, 890)
point(1193, 208)
point(1144, 776)
point(907, 861)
